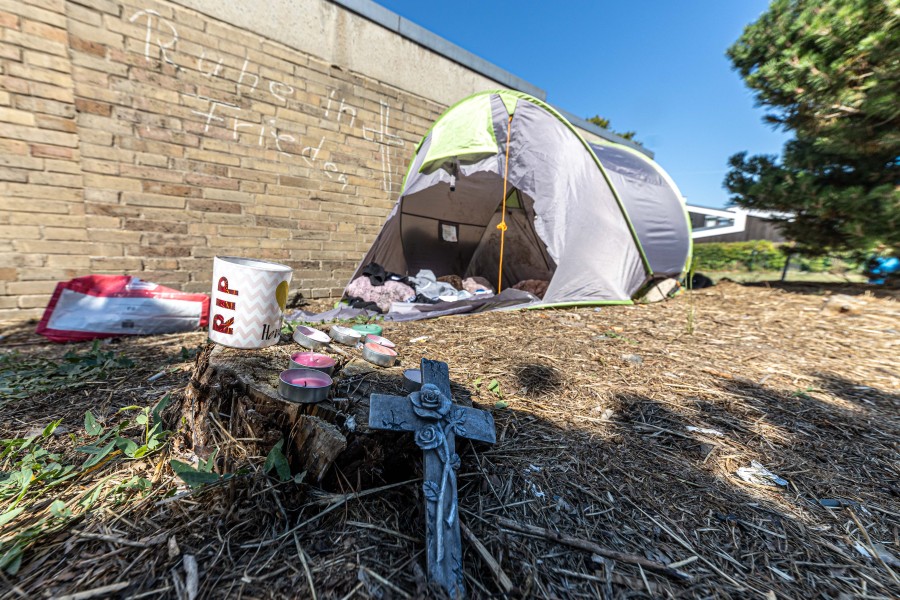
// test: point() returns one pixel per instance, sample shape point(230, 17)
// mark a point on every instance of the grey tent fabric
point(341, 313)
point(507, 299)
point(598, 235)
point(653, 205)
point(387, 249)
point(465, 209)
point(576, 214)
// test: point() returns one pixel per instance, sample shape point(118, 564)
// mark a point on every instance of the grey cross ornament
point(436, 421)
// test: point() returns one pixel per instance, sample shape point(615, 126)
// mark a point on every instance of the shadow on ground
point(821, 288)
point(641, 483)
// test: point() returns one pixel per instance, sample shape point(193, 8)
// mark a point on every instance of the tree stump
point(232, 403)
point(316, 444)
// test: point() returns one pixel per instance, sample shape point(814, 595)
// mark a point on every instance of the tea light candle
point(379, 355)
point(412, 380)
point(377, 339)
point(311, 338)
point(368, 328)
point(308, 382)
point(313, 360)
point(345, 335)
point(304, 385)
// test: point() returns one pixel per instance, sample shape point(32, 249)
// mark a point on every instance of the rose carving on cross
point(430, 403)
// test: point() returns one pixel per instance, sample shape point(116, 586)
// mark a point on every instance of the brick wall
point(40, 171)
point(145, 138)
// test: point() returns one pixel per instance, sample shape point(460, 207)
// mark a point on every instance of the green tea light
point(369, 328)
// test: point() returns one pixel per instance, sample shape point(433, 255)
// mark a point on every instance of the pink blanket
point(391, 291)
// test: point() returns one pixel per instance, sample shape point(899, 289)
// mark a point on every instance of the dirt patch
point(614, 426)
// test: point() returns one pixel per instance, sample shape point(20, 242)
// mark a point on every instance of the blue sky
point(657, 67)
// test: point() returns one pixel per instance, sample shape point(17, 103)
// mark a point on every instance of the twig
point(872, 547)
point(309, 579)
point(644, 578)
point(339, 500)
point(384, 530)
point(155, 592)
point(352, 592)
point(326, 498)
point(104, 590)
point(16, 589)
point(683, 543)
point(385, 582)
point(611, 578)
point(689, 548)
point(337, 350)
point(587, 546)
point(682, 563)
point(499, 574)
point(114, 539)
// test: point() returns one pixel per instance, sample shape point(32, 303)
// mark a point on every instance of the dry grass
point(593, 444)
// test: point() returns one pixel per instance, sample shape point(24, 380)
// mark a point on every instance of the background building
point(733, 225)
point(146, 136)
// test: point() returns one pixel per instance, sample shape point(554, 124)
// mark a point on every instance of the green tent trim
point(510, 103)
point(466, 132)
point(581, 303)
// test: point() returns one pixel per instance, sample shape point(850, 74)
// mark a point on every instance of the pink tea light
point(311, 382)
point(304, 385)
point(379, 355)
point(381, 341)
point(313, 360)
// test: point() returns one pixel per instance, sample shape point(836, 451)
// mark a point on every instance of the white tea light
point(311, 338)
point(345, 335)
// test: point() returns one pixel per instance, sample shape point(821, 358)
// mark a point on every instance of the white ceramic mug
point(248, 300)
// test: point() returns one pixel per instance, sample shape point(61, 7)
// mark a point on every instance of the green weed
point(42, 488)
point(617, 336)
point(199, 475)
point(21, 377)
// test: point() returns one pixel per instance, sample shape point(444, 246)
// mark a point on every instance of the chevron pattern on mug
point(249, 298)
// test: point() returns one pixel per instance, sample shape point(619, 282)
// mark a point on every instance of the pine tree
point(829, 71)
point(603, 123)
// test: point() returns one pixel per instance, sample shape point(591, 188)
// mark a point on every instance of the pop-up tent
point(504, 187)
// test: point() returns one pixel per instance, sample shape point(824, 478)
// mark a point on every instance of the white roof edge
point(731, 211)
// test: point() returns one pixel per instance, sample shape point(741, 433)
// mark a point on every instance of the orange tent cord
point(502, 225)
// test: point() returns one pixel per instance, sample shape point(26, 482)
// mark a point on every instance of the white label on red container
point(127, 316)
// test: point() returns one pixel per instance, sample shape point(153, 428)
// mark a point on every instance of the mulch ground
point(621, 427)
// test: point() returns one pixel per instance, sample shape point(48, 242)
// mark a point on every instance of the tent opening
point(524, 253)
point(434, 238)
